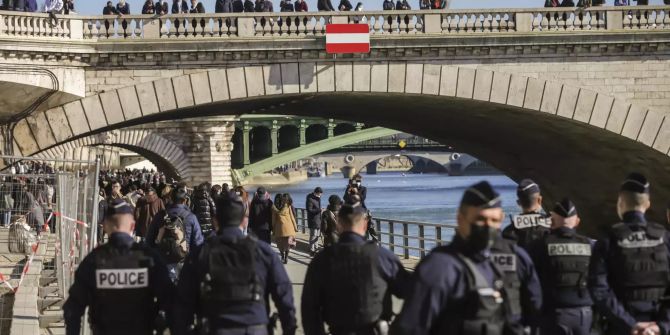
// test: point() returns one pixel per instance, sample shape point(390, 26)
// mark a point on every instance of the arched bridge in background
point(575, 101)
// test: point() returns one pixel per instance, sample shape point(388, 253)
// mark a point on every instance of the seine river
point(414, 197)
point(431, 198)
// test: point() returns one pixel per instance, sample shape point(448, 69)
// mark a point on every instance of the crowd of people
point(537, 276)
point(163, 7)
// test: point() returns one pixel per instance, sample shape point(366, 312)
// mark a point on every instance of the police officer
point(532, 223)
point(523, 292)
point(630, 267)
point(457, 289)
point(226, 281)
point(562, 259)
point(119, 282)
point(348, 284)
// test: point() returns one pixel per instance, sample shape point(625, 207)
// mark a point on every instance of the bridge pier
point(210, 151)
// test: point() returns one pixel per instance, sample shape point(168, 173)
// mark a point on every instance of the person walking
point(630, 267)
point(147, 208)
point(314, 210)
point(226, 283)
point(260, 215)
point(124, 284)
point(203, 207)
point(457, 289)
point(242, 193)
point(348, 285)
point(174, 232)
point(562, 259)
point(532, 224)
point(329, 229)
point(284, 226)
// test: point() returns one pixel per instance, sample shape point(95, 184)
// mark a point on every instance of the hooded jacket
point(147, 208)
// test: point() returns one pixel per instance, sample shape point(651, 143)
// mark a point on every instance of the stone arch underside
point(166, 155)
point(572, 141)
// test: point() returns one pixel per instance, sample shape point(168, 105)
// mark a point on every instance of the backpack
point(171, 240)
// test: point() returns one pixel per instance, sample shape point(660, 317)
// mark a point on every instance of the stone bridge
point(574, 99)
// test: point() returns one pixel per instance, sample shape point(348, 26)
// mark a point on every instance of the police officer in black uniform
point(532, 223)
point(119, 282)
point(348, 284)
point(457, 289)
point(227, 281)
point(562, 259)
point(630, 267)
point(523, 291)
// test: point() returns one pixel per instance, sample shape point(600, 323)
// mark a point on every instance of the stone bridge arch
point(164, 154)
point(364, 159)
point(573, 141)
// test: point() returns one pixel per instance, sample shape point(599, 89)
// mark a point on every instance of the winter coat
point(204, 209)
point(149, 8)
point(162, 8)
point(329, 227)
point(260, 215)
point(224, 6)
point(286, 6)
point(301, 6)
point(283, 222)
point(177, 8)
point(313, 205)
point(325, 5)
point(109, 11)
point(147, 207)
point(125, 9)
point(345, 5)
point(238, 6)
point(199, 8)
point(402, 5)
point(249, 6)
point(192, 232)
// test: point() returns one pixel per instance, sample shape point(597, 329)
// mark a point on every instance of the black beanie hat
point(230, 210)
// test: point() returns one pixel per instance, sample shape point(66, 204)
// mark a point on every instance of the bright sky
point(94, 7)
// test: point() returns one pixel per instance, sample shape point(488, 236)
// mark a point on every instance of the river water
point(430, 198)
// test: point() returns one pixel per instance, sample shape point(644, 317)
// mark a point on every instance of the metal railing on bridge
point(404, 238)
point(393, 143)
point(311, 24)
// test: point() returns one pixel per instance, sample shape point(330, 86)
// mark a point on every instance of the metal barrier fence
point(404, 238)
point(57, 202)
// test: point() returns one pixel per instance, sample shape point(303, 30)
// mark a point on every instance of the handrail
point(312, 24)
point(416, 240)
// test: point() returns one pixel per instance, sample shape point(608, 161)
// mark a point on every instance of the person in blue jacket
point(226, 283)
point(630, 267)
point(457, 289)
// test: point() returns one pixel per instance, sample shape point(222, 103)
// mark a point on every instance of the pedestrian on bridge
point(226, 283)
point(562, 259)
point(314, 210)
point(124, 284)
point(457, 289)
point(532, 224)
point(630, 267)
point(348, 285)
point(329, 228)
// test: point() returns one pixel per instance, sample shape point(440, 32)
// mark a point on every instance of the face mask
point(239, 193)
point(358, 184)
point(481, 237)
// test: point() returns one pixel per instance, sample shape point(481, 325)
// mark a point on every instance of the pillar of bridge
point(209, 151)
point(246, 143)
point(303, 129)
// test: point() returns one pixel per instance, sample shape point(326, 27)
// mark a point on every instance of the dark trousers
point(251, 330)
point(263, 235)
point(568, 321)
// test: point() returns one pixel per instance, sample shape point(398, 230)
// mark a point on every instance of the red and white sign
point(347, 38)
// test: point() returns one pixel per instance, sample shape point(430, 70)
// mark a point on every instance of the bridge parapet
point(312, 24)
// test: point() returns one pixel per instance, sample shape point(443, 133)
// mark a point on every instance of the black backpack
point(171, 240)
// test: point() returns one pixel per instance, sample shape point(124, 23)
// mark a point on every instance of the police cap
point(636, 183)
point(118, 206)
point(527, 187)
point(481, 195)
point(565, 208)
point(230, 210)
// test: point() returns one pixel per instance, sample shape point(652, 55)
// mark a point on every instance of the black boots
point(284, 257)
